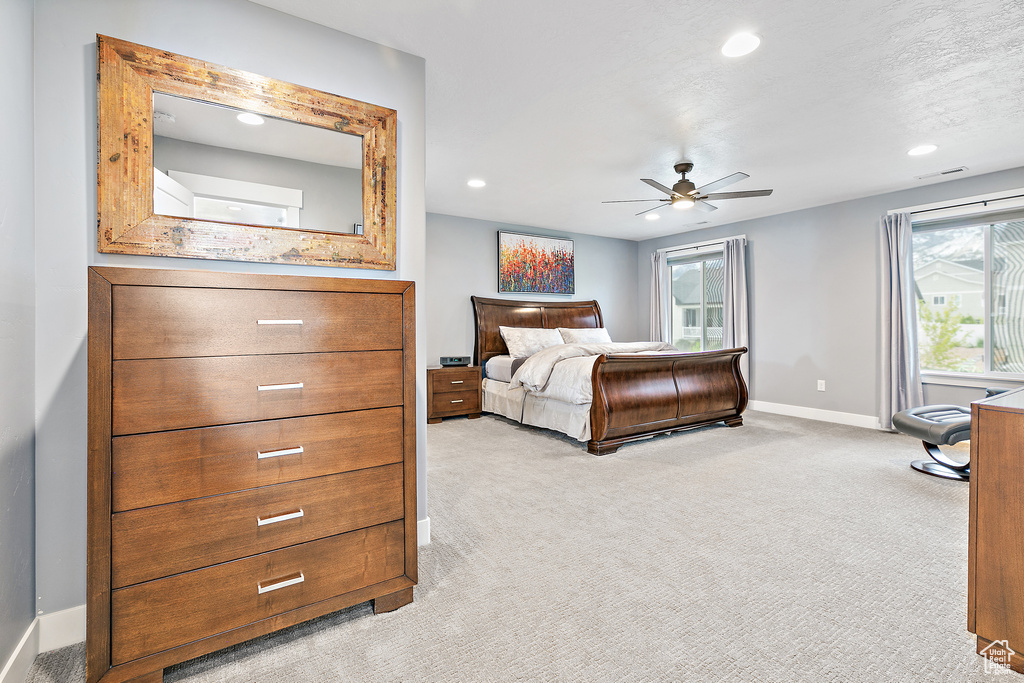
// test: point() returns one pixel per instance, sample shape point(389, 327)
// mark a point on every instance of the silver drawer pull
point(263, 521)
point(280, 584)
point(459, 401)
point(457, 381)
point(278, 322)
point(278, 387)
point(276, 454)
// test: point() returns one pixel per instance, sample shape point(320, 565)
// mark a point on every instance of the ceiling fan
point(684, 194)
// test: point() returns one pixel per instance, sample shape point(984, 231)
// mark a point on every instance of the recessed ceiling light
point(476, 182)
point(250, 118)
point(740, 44)
point(652, 216)
point(922, 149)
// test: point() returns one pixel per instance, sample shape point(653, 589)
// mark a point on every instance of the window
point(697, 286)
point(969, 283)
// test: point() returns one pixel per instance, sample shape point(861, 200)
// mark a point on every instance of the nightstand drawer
point(182, 322)
point(157, 615)
point(455, 379)
point(167, 539)
point(455, 403)
point(165, 467)
point(178, 393)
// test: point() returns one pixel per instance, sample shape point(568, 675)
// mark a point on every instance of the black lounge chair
point(939, 425)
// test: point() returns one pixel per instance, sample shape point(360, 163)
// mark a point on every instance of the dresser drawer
point(455, 403)
point(455, 379)
point(167, 539)
point(164, 467)
point(176, 322)
point(156, 615)
point(178, 393)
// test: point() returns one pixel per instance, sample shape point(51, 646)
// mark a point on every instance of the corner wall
point(815, 299)
point(17, 337)
point(462, 261)
point(230, 32)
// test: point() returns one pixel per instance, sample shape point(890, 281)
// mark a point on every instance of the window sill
point(972, 381)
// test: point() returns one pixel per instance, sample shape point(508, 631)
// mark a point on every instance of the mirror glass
point(210, 165)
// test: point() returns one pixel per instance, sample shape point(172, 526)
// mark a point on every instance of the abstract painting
point(531, 263)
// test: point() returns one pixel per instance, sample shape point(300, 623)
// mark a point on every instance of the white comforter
point(563, 372)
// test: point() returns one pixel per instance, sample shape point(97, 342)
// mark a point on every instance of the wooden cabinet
point(252, 458)
point(453, 391)
point(995, 583)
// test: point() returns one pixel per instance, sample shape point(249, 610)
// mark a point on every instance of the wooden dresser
point(995, 560)
point(252, 458)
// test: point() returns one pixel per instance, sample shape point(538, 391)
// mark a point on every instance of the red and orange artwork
point(529, 263)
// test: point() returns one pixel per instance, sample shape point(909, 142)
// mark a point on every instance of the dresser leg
point(152, 677)
point(473, 416)
point(392, 601)
point(433, 420)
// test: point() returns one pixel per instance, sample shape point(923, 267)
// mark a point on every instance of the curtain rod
point(983, 202)
point(698, 245)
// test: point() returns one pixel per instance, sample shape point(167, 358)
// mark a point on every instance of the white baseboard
point(60, 629)
point(422, 534)
point(852, 419)
point(16, 669)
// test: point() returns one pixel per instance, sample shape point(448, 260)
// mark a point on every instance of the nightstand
point(452, 391)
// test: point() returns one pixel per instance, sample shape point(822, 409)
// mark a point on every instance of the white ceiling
point(560, 105)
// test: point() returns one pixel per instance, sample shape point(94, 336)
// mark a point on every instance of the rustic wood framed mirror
point(129, 77)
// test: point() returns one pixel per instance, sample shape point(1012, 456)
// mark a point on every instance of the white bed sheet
point(499, 368)
point(514, 403)
point(500, 399)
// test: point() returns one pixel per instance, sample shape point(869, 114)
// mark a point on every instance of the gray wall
point(230, 32)
point(813, 281)
point(17, 320)
point(332, 196)
point(462, 261)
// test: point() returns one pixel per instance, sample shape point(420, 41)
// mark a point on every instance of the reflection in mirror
point(210, 165)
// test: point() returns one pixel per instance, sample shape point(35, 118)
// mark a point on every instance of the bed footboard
point(636, 395)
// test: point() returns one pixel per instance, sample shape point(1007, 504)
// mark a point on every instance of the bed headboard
point(489, 314)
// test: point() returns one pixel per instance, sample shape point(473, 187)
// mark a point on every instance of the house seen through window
point(969, 285)
point(697, 291)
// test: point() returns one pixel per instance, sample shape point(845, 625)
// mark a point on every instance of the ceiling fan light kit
point(684, 194)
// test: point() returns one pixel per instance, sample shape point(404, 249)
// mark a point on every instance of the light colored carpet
point(783, 550)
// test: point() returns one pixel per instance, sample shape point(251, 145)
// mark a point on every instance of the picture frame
point(535, 264)
point(129, 74)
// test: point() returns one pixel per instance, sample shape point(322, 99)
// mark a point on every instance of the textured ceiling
point(560, 105)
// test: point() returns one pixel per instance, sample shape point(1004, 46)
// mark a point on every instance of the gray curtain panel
point(735, 323)
point(901, 372)
point(659, 307)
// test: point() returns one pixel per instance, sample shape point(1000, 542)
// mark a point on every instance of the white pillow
point(526, 341)
point(585, 335)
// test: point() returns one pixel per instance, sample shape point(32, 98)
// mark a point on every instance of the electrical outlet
point(821, 385)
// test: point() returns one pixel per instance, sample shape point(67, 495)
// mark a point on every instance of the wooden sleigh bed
point(635, 395)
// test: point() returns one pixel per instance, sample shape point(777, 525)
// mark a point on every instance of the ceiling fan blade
point(623, 201)
point(722, 182)
point(705, 207)
point(737, 195)
point(658, 186)
point(654, 208)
